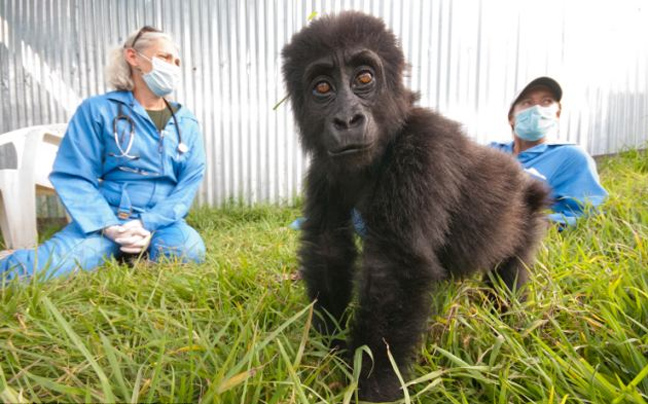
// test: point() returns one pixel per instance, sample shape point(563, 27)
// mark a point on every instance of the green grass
point(236, 328)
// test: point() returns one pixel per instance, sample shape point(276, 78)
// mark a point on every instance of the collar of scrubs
point(541, 148)
point(127, 97)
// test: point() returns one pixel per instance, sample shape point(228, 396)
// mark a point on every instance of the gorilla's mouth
point(350, 149)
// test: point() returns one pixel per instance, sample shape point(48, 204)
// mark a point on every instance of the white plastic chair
point(35, 149)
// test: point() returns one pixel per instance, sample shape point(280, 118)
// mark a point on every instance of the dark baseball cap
point(548, 82)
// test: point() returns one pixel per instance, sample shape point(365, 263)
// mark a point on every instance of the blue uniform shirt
point(94, 180)
point(569, 171)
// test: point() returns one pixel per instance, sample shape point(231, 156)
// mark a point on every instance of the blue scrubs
point(100, 187)
point(569, 171)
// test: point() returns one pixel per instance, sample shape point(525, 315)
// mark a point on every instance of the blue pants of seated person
point(71, 249)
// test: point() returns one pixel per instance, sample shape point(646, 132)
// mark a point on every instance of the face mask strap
point(158, 64)
point(551, 110)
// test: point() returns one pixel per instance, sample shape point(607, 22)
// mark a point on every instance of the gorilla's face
point(344, 79)
point(341, 93)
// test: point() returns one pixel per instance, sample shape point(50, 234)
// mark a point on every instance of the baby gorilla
point(436, 205)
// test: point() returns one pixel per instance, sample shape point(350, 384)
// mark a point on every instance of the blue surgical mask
point(164, 77)
point(537, 122)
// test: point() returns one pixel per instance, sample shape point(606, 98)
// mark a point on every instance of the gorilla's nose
point(348, 121)
point(348, 133)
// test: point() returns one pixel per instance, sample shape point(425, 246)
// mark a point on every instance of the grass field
point(236, 328)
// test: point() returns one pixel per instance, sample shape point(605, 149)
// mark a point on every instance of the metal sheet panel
point(468, 60)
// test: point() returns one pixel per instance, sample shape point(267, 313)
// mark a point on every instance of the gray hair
point(118, 71)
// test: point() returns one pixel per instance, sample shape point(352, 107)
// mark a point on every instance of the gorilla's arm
point(327, 254)
point(394, 300)
point(407, 223)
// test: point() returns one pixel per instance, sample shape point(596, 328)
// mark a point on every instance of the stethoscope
point(182, 147)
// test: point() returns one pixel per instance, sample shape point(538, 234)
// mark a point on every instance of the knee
point(185, 245)
point(195, 251)
point(29, 262)
point(16, 264)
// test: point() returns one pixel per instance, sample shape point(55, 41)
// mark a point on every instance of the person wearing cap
point(127, 169)
point(566, 167)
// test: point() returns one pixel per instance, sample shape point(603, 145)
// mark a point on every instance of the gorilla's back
point(490, 201)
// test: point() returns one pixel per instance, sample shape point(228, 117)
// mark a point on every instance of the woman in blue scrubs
point(567, 168)
point(127, 169)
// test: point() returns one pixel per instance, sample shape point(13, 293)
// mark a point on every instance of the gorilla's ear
point(414, 97)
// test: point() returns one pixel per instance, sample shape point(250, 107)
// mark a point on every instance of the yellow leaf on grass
point(187, 349)
point(236, 380)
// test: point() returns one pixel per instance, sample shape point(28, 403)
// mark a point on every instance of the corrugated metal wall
point(468, 59)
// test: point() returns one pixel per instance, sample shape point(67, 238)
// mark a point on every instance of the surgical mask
point(537, 122)
point(164, 77)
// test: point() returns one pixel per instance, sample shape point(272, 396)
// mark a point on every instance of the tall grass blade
point(76, 340)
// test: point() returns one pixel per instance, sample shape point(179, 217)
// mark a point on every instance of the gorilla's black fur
point(435, 203)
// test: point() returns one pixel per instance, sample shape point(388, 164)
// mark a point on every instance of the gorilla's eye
point(322, 88)
point(364, 78)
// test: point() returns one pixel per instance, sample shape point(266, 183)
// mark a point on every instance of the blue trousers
point(71, 249)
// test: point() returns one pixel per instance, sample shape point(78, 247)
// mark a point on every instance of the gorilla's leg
point(513, 270)
point(394, 297)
